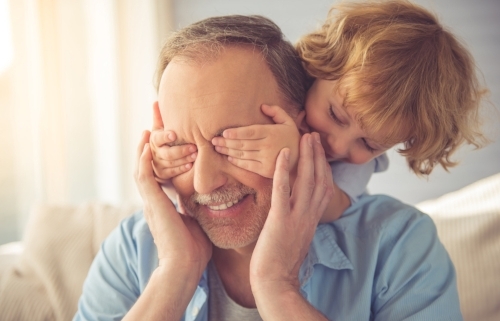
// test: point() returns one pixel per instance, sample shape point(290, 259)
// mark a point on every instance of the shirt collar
point(324, 250)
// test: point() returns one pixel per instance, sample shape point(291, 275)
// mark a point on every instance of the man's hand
point(183, 248)
point(177, 237)
point(288, 232)
point(256, 147)
point(168, 161)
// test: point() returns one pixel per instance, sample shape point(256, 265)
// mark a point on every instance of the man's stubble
point(237, 232)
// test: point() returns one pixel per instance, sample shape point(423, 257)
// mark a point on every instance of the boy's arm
point(353, 178)
point(256, 147)
point(350, 181)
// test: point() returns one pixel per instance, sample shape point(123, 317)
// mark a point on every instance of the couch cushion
point(468, 224)
point(45, 282)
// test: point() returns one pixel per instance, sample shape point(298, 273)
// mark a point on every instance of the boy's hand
point(168, 161)
point(256, 147)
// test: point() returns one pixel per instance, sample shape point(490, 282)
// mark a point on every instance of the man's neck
point(233, 267)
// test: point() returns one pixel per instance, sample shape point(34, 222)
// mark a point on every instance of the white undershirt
point(220, 306)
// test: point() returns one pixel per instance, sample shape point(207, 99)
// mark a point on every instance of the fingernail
point(286, 153)
point(316, 135)
point(226, 134)
point(192, 149)
point(229, 158)
point(193, 156)
point(170, 136)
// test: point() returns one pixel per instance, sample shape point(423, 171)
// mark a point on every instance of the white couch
point(41, 278)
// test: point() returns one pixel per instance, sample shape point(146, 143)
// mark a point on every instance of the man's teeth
point(223, 206)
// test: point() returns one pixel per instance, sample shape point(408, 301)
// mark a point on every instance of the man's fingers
point(157, 121)
point(140, 148)
point(322, 185)
point(280, 197)
point(149, 189)
point(304, 184)
point(278, 115)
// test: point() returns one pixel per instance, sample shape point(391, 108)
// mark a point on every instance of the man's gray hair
point(205, 39)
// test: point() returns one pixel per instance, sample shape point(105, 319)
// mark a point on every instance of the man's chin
point(237, 225)
point(232, 231)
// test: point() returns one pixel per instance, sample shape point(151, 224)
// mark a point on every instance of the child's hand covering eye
point(256, 147)
point(168, 161)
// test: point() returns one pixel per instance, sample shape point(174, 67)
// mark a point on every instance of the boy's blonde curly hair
point(400, 68)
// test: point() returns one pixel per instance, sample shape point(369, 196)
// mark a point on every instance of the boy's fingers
point(163, 174)
point(239, 154)
point(176, 153)
point(169, 163)
point(160, 137)
point(247, 132)
point(157, 121)
point(278, 114)
point(240, 144)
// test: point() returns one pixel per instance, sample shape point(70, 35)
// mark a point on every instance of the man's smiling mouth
point(223, 206)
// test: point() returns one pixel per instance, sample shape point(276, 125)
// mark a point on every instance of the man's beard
point(231, 232)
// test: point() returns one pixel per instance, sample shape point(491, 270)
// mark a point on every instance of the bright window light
point(6, 50)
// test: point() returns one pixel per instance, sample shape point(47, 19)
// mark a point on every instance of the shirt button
point(195, 311)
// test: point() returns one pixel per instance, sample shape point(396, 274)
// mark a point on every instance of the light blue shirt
point(382, 260)
point(353, 178)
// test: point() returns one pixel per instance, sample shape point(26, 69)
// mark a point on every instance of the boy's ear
point(300, 121)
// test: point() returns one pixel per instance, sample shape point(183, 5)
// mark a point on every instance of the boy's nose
point(208, 171)
point(340, 147)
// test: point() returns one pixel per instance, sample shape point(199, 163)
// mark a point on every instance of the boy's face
point(341, 135)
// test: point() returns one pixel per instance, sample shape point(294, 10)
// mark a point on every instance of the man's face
point(198, 100)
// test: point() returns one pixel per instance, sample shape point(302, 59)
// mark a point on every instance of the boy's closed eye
point(368, 147)
point(334, 116)
point(342, 123)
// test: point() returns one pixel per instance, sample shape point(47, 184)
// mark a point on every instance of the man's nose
point(208, 170)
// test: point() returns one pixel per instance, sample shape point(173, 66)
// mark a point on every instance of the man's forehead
point(219, 94)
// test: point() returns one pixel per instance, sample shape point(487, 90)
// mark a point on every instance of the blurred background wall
point(76, 89)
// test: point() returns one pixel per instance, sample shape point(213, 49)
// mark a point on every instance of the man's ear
point(300, 121)
point(157, 120)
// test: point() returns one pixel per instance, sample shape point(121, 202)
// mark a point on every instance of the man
point(247, 248)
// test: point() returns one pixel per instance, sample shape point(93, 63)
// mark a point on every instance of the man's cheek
point(183, 184)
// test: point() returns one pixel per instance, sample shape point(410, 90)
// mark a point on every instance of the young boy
point(385, 73)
